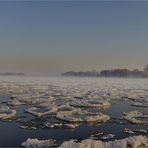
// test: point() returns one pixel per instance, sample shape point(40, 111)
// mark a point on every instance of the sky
point(56, 36)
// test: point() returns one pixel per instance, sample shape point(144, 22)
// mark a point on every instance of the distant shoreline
point(13, 74)
point(113, 73)
point(104, 77)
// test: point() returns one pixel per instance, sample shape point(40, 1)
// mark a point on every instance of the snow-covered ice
point(6, 112)
point(133, 116)
point(42, 110)
point(130, 142)
point(140, 104)
point(90, 103)
point(70, 102)
point(35, 143)
point(77, 115)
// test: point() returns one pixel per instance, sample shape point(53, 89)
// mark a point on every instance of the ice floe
point(90, 103)
point(128, 131)
point(135, 131)
point(102, 136)
point(140, 104)
point(25, 100)
point(35, 143)
point(61, 125)
point(108, 137)
point(136, 117)
point(130, 142)
point(78, 115)
point(6, 112)
point(42, 110)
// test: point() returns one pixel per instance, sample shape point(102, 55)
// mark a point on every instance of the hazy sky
point(59, 36)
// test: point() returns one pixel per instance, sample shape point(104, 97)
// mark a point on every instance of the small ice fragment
point(35, 143)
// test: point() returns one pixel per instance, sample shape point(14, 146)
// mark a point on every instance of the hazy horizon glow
point(53, 37)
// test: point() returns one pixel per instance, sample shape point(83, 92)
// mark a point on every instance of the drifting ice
point(90, 103)
point(6, 112)
point(35, 143)
point(77, 115)
point(133, 115)
point(42, 110)
point(131, 142)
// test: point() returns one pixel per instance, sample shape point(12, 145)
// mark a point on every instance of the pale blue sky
point(62, 36)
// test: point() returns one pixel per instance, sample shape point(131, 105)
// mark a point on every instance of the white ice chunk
point(42, 110)
point(6, 112)
point(90, 103)
point(140, 104)
point(133, 117)
point(35, 143)
point(77, 115)
point(130, 142)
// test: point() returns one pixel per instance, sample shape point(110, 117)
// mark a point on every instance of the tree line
point(110, 73)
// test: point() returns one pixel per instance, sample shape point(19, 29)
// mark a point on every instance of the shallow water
point(12, 135)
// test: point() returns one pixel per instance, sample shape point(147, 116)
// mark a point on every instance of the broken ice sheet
point(118, 121)
point(37, 123)
point(61, 93)
point(90, 103)
point(102, 136)
point(140, 104)
point(136, 117)
point(6, 113)
point(47, 122)
point(78, 115)
point(133, 142)
point(42, 110)
point(61, 125)
point(35, 143)
point(135, 131)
